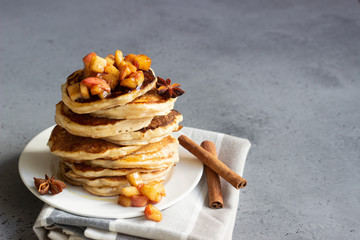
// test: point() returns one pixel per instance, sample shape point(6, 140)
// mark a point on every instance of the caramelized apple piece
point(124, 201)
point(135, 179)
point(139, 201)
point(133, 80)
point(74, 91)
point(142, 62)
point(132, 67)
point(97, 86)
point(84, 91)
point(139, 77)
point(153, 213)
point(97, 64)
point(92, 81)
point(159, 187)
point(111, 79)
point(126, 68)
point(97, 90)
point(130, 191)
point(128, 82)
point(130, 58)
point(113, 70)
point(150, 192)
point(87, 60)
point(124, 71)
point(110, 60)
point(118, 58)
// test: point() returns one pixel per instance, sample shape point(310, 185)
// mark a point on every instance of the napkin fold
point(190, 218)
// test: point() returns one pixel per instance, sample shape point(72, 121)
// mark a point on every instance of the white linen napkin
point(191, 218)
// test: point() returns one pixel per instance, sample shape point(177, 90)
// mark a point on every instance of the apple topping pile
point(141, 195)
point(102, 75)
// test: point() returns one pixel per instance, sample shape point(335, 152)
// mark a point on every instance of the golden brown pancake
point(150, 104)
point(151, 156)
point(160, 127)
point(85, 170)
point(95, 127)
point(108, 186)
point(118, 97)
point(66, 145)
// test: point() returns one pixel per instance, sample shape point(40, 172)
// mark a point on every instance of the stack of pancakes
point(101, 140)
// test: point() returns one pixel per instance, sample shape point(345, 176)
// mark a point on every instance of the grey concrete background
point(284, 74)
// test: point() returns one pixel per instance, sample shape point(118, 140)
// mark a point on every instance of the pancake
point(150, 104)
point(160, 127)
point(120, 97)
point(109, 186)
point(149, 163)
point(85, 170)
point(66, 145)
point(151, 156)
point(88, 126)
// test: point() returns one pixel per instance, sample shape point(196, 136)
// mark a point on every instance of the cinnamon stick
point(213, 180)
point(212, 162)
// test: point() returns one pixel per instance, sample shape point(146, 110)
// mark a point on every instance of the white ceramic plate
point(36, 160)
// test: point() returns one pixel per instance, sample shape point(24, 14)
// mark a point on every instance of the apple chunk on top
point(102, 75)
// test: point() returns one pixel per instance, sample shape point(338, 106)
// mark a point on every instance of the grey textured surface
point(284, 74)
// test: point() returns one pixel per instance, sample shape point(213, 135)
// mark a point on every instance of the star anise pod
point(41, 185)
point(49, 185)
point(168, 90)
